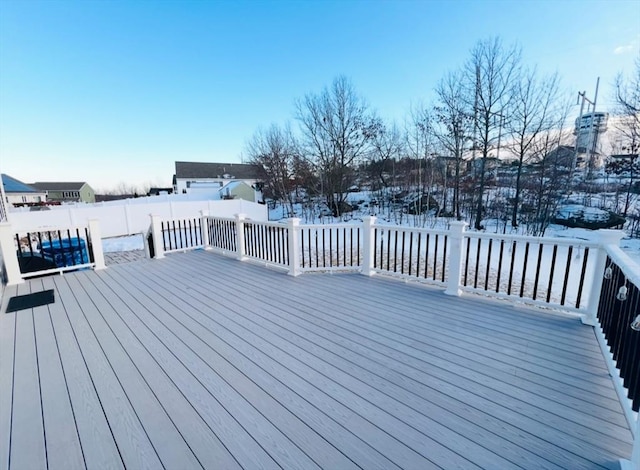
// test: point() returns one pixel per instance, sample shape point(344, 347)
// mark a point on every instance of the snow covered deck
point(198, 360)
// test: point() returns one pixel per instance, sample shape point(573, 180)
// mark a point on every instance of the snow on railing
point(49, 250)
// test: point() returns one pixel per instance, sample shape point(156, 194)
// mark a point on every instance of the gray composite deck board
point(7, 331)
point(200, 361)
point(536, 412)
point(375, 368)
point(63, 444)
point(98, 445)
point(184, 325)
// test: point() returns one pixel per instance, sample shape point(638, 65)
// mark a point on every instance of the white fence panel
point(128, 219)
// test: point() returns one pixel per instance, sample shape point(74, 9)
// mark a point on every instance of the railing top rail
point(52, 229)
point(628, 266)
point(264, 224)
point(226, 219)
point(545, 240)
point(325, 226)
point(403, 228)
point(179, 219)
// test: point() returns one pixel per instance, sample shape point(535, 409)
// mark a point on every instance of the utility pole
point(590, 146)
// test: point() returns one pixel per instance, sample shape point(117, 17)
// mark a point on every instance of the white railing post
point(8, 250)
point(368, 249)
point(240, 235)
point(456, 234)
point(156, 236)
point(204, 228)
point(606, 238)
point(96, 244)
point(294, 248)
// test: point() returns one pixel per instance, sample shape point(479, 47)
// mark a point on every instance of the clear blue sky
point(116, 91)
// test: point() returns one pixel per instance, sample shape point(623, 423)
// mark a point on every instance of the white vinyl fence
point(130, 217)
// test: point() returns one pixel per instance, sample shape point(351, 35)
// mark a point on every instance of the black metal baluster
point(486, 273)
point(566, 275)
point(444, 256)
point(426, 258)
point(477, 267)
point(537, 279)
point(418, 254)
point(514, 247)
point(524, 269)
point(435, 256)
point(553, 267)
point(466, 261)
point(583, 271)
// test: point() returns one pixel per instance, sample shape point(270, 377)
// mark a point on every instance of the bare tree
point(336, 131)
point(275, 149)
point(421, 149)
point(628, 127)
point(488, 76)
point(548, 178)
point(532, 114)
point(453, 127)
point(387, 145)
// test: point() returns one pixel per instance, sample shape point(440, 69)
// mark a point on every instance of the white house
point(17, 193)
point(213, 178)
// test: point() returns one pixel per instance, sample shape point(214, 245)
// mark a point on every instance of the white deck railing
point(579, 276)
point(561, 273)
point(49, 250)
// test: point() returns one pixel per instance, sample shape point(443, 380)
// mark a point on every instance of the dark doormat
point(23, 302)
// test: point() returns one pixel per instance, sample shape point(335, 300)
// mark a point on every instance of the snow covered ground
point(118, 244)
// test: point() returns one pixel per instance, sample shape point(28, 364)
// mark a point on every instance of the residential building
point(67, 191)
point(17, 193)
point(237, 190)
point(192, 177)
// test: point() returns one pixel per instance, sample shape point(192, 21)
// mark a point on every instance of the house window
point(24, 198)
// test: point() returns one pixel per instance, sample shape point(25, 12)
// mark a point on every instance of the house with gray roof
point(67, 191)
point(213, 178)
point(17, 193)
